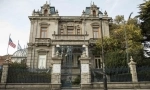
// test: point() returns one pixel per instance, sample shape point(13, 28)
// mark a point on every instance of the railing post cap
point(131, 61)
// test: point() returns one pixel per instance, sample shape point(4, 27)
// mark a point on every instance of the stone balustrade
point(42, 41)
point(70, 37)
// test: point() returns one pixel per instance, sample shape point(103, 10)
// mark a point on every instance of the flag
point(11, 43)
point(19, 47)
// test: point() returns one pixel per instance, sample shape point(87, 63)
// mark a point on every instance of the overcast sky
point(14, 15)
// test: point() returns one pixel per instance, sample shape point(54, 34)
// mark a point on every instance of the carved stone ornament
point(70, 24)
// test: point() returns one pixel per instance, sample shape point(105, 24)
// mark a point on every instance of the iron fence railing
point(143, 73)
point(119, 74)
point(0, 74)
point(21, 75)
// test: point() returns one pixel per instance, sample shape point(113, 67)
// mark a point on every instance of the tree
point(119, 19)
point(115, 46)
point(144, 16)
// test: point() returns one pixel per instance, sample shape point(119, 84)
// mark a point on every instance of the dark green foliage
point(76, 80)
point(144, 16)
point(115, 74)
point(0, 74)
point(115, 59)
point(143, 73)
point(19, 73)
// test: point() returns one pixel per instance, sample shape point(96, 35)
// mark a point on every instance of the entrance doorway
point(70, 66)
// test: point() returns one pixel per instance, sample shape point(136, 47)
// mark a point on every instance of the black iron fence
point(143, 73)
point(0, 74)
point(119, 74)
point(25, 75)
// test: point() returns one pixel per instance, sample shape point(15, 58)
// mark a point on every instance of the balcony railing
point(70, 37)
point(42, 41)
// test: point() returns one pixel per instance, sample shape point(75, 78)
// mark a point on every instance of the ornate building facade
point(62, 42)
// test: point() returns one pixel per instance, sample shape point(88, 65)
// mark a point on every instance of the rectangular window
point(43, 32)
point(98, 63)
point(70, 30)
point(95, 32)
point(78, 31)
point(42, 62)
point(61, 31)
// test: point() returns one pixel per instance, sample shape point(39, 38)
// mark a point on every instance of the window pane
point(96, 63)
point(43, 34)
point(99, 63)
point(78, 31)
point(44, 28)
point(42, 62)
point(61, 31)
point(95, 28)
point(70, 31)
point(95, 34)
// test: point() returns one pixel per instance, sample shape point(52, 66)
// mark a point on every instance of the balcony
point(42, 41)
point(70, 37)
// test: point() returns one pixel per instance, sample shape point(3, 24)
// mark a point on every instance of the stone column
point(87, 51)
point(133, 72)
point(85, 72)
point(53, 51)
point(56, 73)
point(4, 73)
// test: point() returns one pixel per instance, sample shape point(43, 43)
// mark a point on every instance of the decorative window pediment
point(95, 24)
point(44, 24)
point(42, 50)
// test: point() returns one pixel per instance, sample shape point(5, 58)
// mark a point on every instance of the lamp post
point(103, 60)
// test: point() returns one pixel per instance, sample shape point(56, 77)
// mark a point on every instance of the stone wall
point(93, 86)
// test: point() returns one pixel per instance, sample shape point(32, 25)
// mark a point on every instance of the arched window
point(94, 13)
point(45, 12)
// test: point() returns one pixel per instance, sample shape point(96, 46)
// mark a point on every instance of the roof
point(20, 53)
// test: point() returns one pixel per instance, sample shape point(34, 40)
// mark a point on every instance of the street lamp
point(103, 61)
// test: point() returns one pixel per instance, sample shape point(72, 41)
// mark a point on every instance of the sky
point(14, 16)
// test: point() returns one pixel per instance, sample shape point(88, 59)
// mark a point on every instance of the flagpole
point(7, 49)
point(17, 46)
point(8, 44)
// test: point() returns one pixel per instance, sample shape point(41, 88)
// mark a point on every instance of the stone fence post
point(133, 72)
point(4, 73)
point(56, 73)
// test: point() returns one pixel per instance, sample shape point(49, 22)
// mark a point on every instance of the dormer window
point(94, 13)
point(45, 12)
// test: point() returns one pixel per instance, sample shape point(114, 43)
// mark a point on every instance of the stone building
point(63, 42)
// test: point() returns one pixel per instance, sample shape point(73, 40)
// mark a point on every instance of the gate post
point(133, 72)
point(4, 74)
point(56, 73)
point(85, 72)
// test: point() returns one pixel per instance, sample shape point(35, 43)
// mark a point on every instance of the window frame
point(70, 28)
point(97, 32)
point(39, 61)
point(97, 62)
point(43, 31)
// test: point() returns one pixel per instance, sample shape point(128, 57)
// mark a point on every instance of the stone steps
point(72, 88)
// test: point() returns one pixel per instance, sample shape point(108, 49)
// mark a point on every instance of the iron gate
point(68, 78)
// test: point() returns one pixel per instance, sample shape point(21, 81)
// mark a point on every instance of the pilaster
point(85, 72)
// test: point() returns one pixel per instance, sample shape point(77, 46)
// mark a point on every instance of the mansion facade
point(62, 43)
